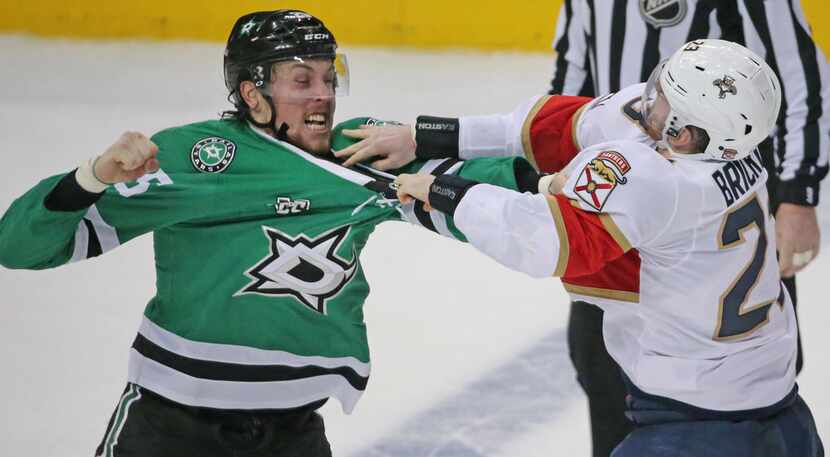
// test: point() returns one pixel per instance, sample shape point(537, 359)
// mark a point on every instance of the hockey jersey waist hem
point(242, 391)
point(150, 332)
point(637, 399)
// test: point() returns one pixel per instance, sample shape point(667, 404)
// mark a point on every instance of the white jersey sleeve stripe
point(81, 242)
point(107, 235)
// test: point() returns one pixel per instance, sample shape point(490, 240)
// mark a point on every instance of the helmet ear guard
point(260, 75)
point(722, 88)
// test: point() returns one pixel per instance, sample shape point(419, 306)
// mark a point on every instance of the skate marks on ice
point(499, 407)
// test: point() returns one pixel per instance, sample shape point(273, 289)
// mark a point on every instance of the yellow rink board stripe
point(484, 24)
point(431, 24)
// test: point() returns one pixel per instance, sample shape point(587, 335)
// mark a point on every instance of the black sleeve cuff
point(527, 178)
point(446, 192)
point(68, 195)
point(799, 191)
point(436, 137)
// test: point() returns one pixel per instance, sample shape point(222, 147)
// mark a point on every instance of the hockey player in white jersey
point(550, 131)
point(675, 246)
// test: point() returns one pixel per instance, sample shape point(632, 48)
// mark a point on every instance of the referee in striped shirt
point(605, 45)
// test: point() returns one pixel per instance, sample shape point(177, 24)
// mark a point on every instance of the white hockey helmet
point(718, 86)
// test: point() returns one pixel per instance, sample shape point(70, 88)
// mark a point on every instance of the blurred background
point(433, 24)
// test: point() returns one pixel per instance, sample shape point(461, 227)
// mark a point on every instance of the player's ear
point(251, 96)
point(255, 101)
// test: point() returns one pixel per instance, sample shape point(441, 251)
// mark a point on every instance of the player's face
point(655, 111)
point(654, 106)
point(304, 93)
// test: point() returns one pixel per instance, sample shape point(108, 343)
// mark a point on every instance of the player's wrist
point(87, 179)
point(446, 192)
point(545, 183)
point(436, 137)
point(799, 191)
point(69, 195)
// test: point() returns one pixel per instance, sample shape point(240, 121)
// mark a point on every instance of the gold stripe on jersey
point(615, 232)
point(610, 226)
point(598, 292)
point(575, 126)
point(562, 232)
point(526, 144)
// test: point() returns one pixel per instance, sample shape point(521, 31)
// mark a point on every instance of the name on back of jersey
point(736, 178)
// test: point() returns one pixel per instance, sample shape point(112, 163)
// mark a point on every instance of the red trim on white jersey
point(548, 132)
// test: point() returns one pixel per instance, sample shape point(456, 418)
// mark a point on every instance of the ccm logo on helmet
point(317, 36)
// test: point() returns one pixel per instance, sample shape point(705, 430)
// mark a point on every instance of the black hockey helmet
point(260, 39)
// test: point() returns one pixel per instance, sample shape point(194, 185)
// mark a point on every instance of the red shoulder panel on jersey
point(618, 280)
point(595, 258)
point(548, 131)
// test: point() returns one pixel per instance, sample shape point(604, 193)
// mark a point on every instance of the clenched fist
point(798, 237)
point(128, 159)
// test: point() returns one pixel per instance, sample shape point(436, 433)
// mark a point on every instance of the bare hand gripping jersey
point(259, 285)
point(680, 254)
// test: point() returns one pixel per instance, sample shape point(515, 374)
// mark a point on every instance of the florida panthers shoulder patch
point(600, 177)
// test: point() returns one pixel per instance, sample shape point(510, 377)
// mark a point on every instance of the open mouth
point(317, 122)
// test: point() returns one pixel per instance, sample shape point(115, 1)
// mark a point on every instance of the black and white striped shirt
point(604, 45)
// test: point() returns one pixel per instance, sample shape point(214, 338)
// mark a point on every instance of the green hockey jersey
point(259, 287)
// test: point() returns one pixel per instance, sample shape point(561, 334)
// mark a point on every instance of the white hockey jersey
point(549, 130)
point(612, 117)
point(680, 254)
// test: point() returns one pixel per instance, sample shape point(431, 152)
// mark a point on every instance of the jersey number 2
point(735, 320)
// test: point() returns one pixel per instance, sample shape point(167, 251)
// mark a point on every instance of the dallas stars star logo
point(307, 269)
point(247, 27)
point(213, 154)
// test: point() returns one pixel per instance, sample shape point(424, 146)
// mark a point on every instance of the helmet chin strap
point(665, 134)
point(664, 143)
point(280, 133)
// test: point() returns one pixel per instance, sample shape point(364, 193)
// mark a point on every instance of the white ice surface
point(468, 358)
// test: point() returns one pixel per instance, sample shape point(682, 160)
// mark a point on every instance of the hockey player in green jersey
point(257, 318)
